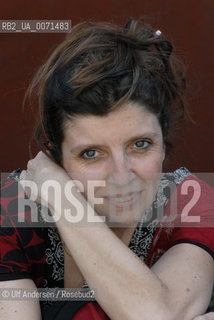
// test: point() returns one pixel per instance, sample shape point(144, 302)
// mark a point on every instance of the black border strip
point(197, 244)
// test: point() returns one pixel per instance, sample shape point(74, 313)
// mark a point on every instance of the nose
point(121, 172)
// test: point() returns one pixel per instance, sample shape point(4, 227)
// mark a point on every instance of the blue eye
point(142, 144)
point(90, 154)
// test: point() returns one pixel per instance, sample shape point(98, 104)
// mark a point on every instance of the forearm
point(122, 281)
point(124, 284)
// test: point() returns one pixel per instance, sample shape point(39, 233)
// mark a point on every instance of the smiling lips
point(120, 201)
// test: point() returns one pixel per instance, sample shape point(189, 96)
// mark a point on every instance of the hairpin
point(157, 33)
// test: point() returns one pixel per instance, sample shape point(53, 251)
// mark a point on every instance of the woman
point(107, 96)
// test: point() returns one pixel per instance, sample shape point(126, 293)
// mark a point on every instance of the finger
point(22, 175)
point(29, 164)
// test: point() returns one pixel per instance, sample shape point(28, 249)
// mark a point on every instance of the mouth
point(120, 201)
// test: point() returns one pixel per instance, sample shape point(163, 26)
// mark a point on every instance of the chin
point(120, 218)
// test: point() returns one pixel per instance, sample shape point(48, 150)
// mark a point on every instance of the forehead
point(130, 119)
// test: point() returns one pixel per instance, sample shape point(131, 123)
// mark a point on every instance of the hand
point(42, 167)
point(207, 316)
point(39, 170)
point(46, 183)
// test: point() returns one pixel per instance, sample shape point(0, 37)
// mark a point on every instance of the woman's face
point(124, 149)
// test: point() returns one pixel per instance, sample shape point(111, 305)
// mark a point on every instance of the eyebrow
point(94, 146)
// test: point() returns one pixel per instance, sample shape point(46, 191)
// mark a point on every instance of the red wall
point(187, 23)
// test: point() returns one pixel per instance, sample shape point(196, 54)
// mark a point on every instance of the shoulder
point(17, 210)
point(186, 204)
point(16, 214)
point(192, 198)
point(191, 214)
point(22, 246)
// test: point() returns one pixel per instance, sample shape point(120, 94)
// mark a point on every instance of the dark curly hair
point(99, 67)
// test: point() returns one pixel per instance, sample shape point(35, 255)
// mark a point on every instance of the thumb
point(22, 175)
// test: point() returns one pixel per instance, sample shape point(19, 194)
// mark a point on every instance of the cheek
point(149, 164)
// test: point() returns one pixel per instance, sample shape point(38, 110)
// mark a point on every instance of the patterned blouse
point(35, 251)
